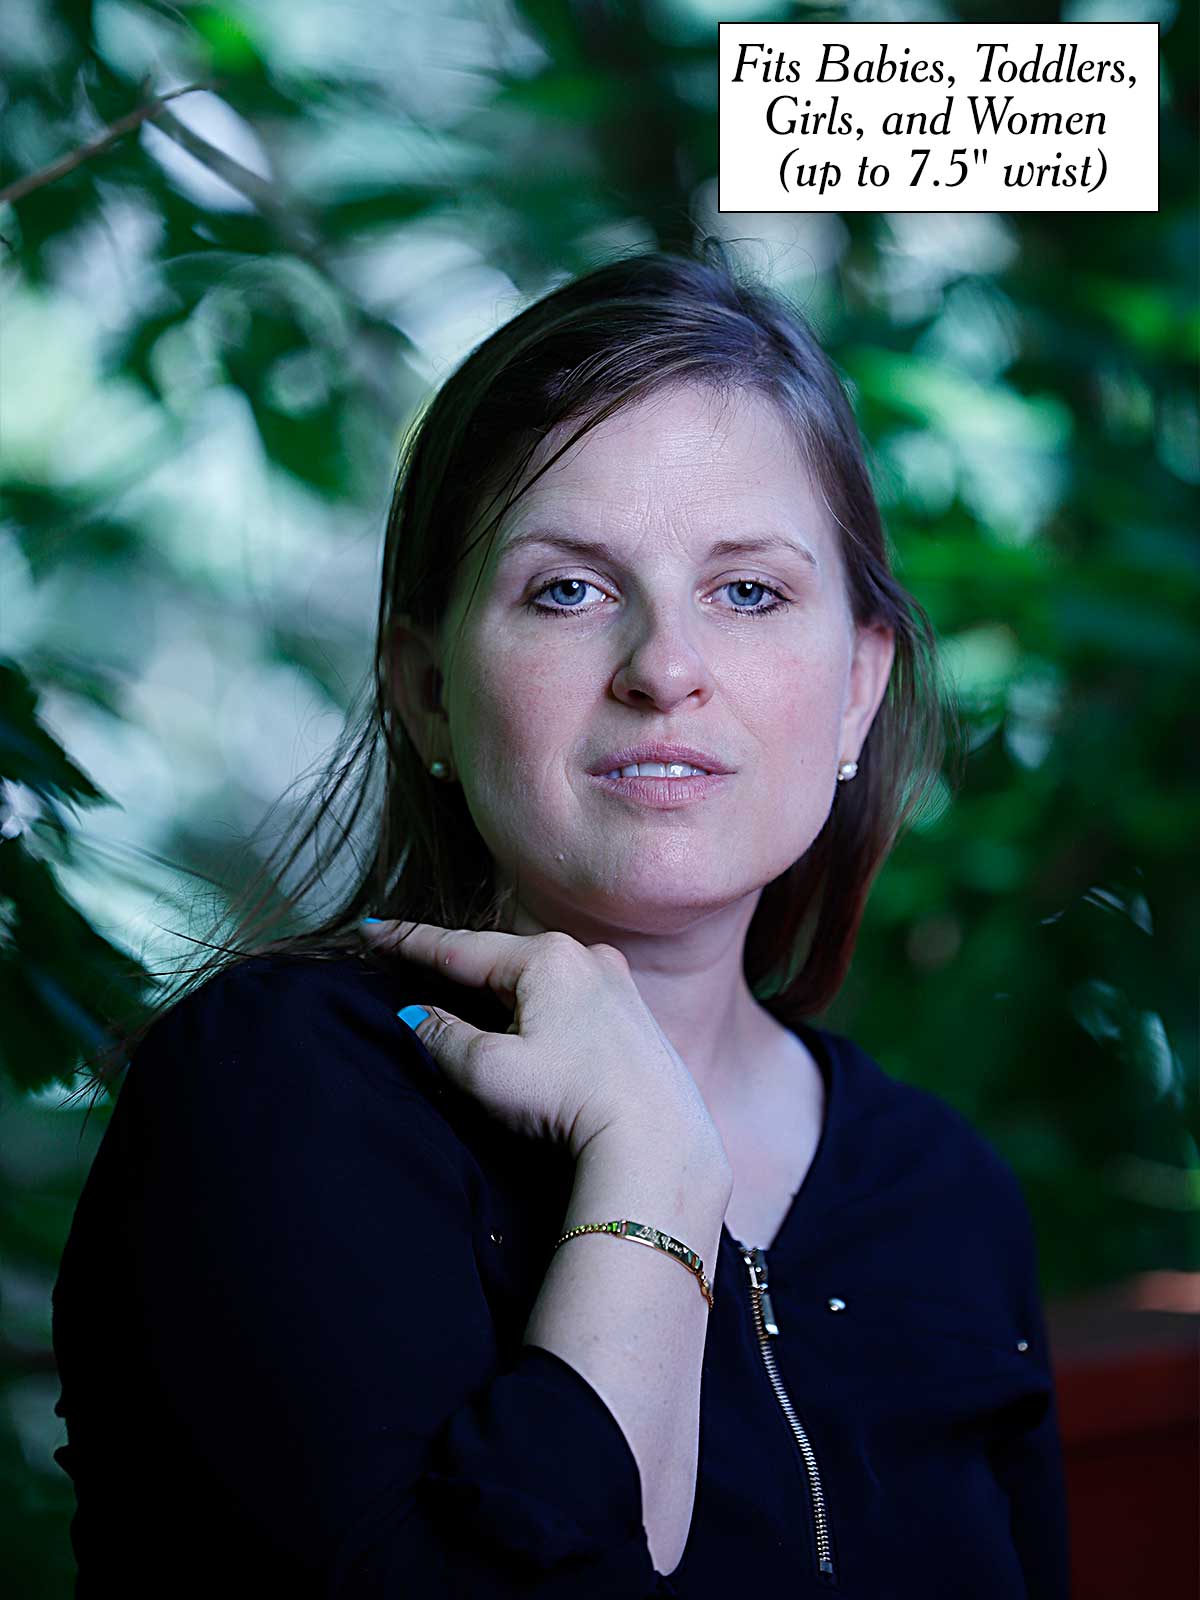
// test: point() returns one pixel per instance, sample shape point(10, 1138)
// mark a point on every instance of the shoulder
point(912, 1144)
point(281, 981)
point(915, 1118)
point(965, 1154)
point(303, 1031)
point(281, 1105)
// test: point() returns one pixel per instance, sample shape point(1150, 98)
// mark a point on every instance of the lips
point(658, 752)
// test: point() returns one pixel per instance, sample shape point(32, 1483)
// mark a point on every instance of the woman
point(349, 1305)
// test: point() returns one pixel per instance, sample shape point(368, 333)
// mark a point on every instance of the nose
point(663, 666)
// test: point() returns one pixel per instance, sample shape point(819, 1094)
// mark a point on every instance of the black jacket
point(288, 1324)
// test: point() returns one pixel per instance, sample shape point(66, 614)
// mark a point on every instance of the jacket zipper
point(764, 1320)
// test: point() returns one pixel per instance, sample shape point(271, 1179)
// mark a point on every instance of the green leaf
point(28, 754)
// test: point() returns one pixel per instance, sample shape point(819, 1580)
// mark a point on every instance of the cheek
point(796, 695)
point(510, 710)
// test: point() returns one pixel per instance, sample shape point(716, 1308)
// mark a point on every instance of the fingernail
point(413, 1016)
point(370, 919)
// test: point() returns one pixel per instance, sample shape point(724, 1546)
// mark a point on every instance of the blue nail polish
point(413, 1016)
point(370, 919)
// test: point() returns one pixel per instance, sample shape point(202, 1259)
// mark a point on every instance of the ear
point(416, 682)
point(870, 669)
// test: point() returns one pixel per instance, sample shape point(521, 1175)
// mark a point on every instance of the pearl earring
point(847, 770)
point(439, 769)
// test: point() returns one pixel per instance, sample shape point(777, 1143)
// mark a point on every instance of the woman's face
point(565, 657)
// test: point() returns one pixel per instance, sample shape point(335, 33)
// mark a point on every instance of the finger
point(393, 936)
point(446, 1037)
point(383, 931)
point(393, 932)
point(479, 958)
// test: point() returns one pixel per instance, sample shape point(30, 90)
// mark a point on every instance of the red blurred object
point(1127, 1373)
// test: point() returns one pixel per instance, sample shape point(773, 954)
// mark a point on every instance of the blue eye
point(780, 603)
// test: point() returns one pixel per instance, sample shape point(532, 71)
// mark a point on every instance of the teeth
point(658, 769)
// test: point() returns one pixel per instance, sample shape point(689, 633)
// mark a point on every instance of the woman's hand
point(583, 1052)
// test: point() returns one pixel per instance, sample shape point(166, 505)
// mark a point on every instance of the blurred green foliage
point(216, 329)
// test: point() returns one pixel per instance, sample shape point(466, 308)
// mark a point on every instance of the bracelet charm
point(643, 1233)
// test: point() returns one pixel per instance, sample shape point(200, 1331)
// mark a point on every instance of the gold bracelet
point(643, 1233)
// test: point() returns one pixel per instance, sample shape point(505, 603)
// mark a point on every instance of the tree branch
point(115, 130)
point(259, 191)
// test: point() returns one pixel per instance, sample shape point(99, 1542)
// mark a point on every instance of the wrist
point(681, 1147)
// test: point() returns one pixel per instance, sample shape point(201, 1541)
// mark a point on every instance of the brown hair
point(577, 355)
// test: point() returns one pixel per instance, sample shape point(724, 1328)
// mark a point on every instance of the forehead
point(682, 457)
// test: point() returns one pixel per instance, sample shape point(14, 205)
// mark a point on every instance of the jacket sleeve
point(1028, 1458)
point(316, 1321)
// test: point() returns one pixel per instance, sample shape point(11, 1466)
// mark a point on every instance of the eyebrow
point(759, 544)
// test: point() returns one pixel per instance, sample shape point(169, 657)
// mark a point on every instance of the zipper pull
point(756, 1260)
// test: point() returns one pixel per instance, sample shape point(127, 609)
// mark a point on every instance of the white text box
point(938, 116)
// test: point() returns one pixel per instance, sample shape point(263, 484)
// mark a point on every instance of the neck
point(691, 981)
